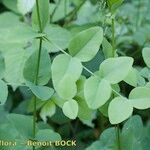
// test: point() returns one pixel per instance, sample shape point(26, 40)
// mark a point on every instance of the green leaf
point(15, 58)
point(11, 17)
point(140, 97)
point(25, 6)
point(119, 110)
point(47, 135)
point(42, 92)
point(31, 64)
point(22, 124)
point(85, 113)
point(107, 141)
point(30, 107)
point(65, 72)
point(80, 87)
point(132, 78)
point(44, 14)
point(115, 70)
point(96, 92)
point(133, 126)
point(86, 44)
point(107, 49)
point(57, 35)
point(114, 4)
point(70, 109)
point(48, 110)
point(57, 100)
point(145, 72)
point(2, 66)
point(11, 4)
point(146, 56)
point(3, 92)
point(132, 133)
point(14, 37)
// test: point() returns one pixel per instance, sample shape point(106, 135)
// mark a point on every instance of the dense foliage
point(77, 70)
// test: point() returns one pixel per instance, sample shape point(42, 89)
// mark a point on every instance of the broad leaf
point(30, 68)
point(119, 110)
point(107, 49)
point(20, 33)
point(15, 58)
point(115, 70)
point(48, 110)
point(11, 17)
point(25, 6)
point(42, 92)
point(145, 72)
point(132, 134)
point(140, 97)
point(70, 109)
point(86, 44)
point(146, 56)
point(114, 4)
point(47, 135)
point(65, 72)
point(58, 36)
point(3, 92)
point(22, 124)
point(43, 14)
point(11, 4)
point(96, 92)
point(85, 113)
point(107, 141)
point(132, 78)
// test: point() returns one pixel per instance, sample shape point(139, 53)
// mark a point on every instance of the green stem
point(53, 13)
point(113, 37)
point(114, 51)
point(72, 14)
point(38, 15)
point(37, 69)
point(118, 137)
point(138, 14)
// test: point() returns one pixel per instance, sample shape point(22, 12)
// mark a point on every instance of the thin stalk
point(72, 14)
point(138, 14)
point(38, 15)
point(118, 136)
point(114, 51)
point(37, 69)
point(53, 13)
point(77, 9)
point(36, 82)
point(113, 37)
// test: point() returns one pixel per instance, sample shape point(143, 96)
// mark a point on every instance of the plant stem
point(138, 14)
point(38, 15)
point(37, 69)
point(118, 137)
point(36, 82)
point(53, 13)
point(114, 51)
point(71, 15)
point(113, 37)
